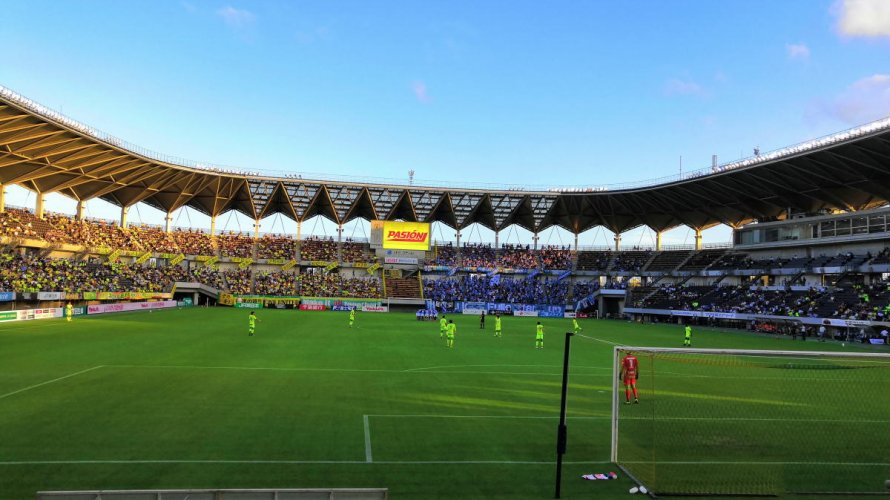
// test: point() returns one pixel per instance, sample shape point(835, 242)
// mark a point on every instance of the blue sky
point(556, 93)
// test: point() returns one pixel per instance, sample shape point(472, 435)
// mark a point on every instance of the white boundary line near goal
point(755, 419)
point(368, 456)
point(757, 462)
point(294, 462)
point(598, 340)
point(51, 381)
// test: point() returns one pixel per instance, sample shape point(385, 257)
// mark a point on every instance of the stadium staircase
point(402, 288)
point(192, 287)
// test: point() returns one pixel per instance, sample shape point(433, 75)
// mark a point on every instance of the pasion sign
point(406, 235)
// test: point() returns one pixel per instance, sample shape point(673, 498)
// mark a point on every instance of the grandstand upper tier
point(46, 152)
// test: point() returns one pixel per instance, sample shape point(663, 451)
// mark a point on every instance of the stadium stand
point(553, 257)
point(321, 249)
point(594, 261)
point(402, 288)
point(701, 260)
point(517, 257)
point(353, 251)
point(444, 255)
point(273, 246)
point(632, 261)
point(490, 289)
point(669, 260)
point(234, 244)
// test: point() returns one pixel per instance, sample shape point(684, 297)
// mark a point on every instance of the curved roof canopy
point(46, 152)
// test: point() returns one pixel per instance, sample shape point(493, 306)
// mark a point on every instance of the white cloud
point(869, 18)
point(865, 100)
point(420, 92)
point(676, 86)
point(236, 18)
point(797, 51)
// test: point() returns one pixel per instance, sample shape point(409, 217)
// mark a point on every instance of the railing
point(821, 142)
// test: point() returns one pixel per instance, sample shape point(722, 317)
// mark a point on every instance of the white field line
point(345, 370)
point(694, 419)
point(11, 326)
point(422, 462)
point(296, 462)
point(498, 366)
point(458, 372)
point(757, 462)
point(525, 417)
point(598, 340)
point(50, 381)
point(368, 456)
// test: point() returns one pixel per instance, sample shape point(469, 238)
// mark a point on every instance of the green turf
point(185, 399)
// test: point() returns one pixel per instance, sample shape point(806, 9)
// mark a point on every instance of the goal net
point(735, 422)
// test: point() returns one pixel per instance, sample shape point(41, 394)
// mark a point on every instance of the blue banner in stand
point(549, 311)
point(7, 296)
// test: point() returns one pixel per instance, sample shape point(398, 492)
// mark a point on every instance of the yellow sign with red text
point(406, 235)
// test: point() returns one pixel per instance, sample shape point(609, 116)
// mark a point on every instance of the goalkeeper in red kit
point(630, 369)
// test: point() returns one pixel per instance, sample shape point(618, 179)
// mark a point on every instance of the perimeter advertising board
point(406, 235)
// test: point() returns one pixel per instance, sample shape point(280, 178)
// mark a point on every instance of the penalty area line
point(598, 340)
point(50, 381)
point(368, 456)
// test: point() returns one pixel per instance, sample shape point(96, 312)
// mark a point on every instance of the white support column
point(576, 242)
point(38, 207)
point(535, 240)
point(496, 240)
point(457, 236)
point(124, 212)
point(81, 204)
point(212, 225)
point(256, 229)
point(657, 241)
point(340, 243)
point(2, 198)
point(617, 242)
point(299, 235)
point(168, 223)
point(698, 239)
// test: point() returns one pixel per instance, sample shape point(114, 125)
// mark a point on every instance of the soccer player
point(687, 341)
point(69, 311)
point(497, 325)
point(576, 326)
point(539, 336)
point(351, 317)
point(443, 327)
point(629, 374)
point(251, 323)
point(452, 328)
point(482, 321)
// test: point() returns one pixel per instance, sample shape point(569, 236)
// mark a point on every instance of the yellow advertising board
point(406, 235)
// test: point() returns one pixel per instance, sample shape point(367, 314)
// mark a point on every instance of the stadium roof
point(47, 152)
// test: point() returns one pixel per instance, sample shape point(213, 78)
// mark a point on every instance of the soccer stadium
point(447, 348)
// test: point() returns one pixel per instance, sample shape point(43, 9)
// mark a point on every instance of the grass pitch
point(185, 399)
